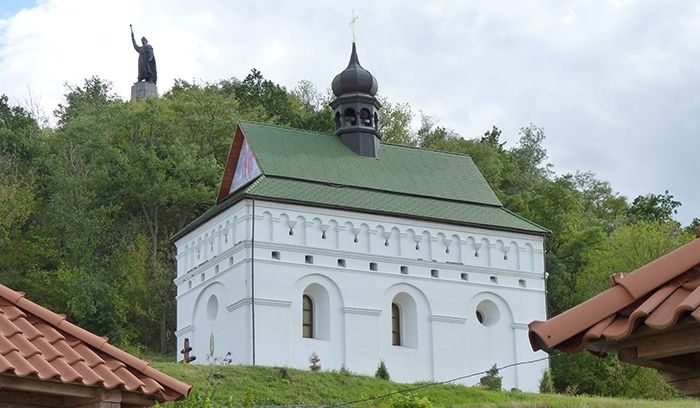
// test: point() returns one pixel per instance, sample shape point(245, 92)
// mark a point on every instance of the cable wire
point(409, 389)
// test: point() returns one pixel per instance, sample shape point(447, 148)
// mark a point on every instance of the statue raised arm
point(147, 60)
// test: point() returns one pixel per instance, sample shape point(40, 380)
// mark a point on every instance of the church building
point(359, 251)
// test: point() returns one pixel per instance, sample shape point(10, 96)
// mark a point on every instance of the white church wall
point(413, 358)
point(362, 262)
point(495, 334)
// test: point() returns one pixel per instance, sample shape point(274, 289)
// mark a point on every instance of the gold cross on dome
point(352, 22)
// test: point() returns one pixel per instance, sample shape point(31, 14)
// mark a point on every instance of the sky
point(613, 83)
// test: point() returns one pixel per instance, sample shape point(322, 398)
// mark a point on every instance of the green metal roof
point(317, 169)
point(323, 158)
point(389, 203)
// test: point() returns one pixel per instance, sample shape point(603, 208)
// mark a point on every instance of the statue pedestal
point(142, 90)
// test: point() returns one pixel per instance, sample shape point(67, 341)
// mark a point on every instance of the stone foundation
point(142, 90)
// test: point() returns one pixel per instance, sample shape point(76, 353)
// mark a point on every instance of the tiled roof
point(317, 169)
point(39, 344)
point(656, 296)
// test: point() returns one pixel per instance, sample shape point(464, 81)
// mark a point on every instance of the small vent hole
point(276, 255)
point(464, 276)
point(373, 266)
point(404, 270)
point(434, 273)
point(522, 283)
point(494, 279)
point(309, 259)
point(341, 263)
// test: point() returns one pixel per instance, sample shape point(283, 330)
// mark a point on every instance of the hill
point(245, 386)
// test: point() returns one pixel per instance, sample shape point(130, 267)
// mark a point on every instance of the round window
point(487, 313)
point(212, 307)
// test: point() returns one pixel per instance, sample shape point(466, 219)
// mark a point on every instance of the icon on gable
point(246, 168)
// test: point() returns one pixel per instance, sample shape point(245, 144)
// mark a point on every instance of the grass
point(245, 386)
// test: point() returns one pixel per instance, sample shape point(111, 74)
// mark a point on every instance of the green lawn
point(245, 386)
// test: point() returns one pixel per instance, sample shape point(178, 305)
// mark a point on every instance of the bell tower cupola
point(356, 108)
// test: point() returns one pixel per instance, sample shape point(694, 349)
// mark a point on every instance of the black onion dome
point(354, 78)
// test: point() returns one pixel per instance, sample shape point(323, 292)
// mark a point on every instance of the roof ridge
point(425, 149)
point(297, 130)
point(60, 322)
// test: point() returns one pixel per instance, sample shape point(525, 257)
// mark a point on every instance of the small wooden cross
point(352, 22)
point(186, 352)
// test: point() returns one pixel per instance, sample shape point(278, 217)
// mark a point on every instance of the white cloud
point(613, 83)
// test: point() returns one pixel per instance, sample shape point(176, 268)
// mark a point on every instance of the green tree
point(492, 380)
point(626, 249)
point(382, 372)
point(395, 123)
point(654, 207)
point(89, 99)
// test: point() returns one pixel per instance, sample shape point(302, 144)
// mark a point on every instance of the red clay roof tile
point(89, 356)
point(5, 365)
point(70, 355)
point(88, 375)
point(68, 373)
point(37, 342)
point(20, 364)
point(656, 295)
point(51, 334)
point(44, 370)
point(26, 348)
point(7, 328)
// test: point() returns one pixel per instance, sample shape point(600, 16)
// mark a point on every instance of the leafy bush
point(409, 400)
point(546, 383)
point(584, 373)
point(283, 373)
point(382, 371)
point(492, 380)
point(314, 362)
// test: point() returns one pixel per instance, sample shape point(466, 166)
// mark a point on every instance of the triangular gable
point(241, 167)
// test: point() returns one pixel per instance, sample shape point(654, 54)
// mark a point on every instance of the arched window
point(365, 117)
point(404, 322)
point(338, 123)
point(350, 118)
point(307, 323)
point(395, 325)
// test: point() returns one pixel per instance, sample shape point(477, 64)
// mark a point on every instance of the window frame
point(307, 325)
point(395, 325)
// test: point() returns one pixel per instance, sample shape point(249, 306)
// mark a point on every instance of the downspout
point(252, 278)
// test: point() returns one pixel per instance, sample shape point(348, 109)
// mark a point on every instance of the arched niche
point(328, 302)
point(266, 228)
